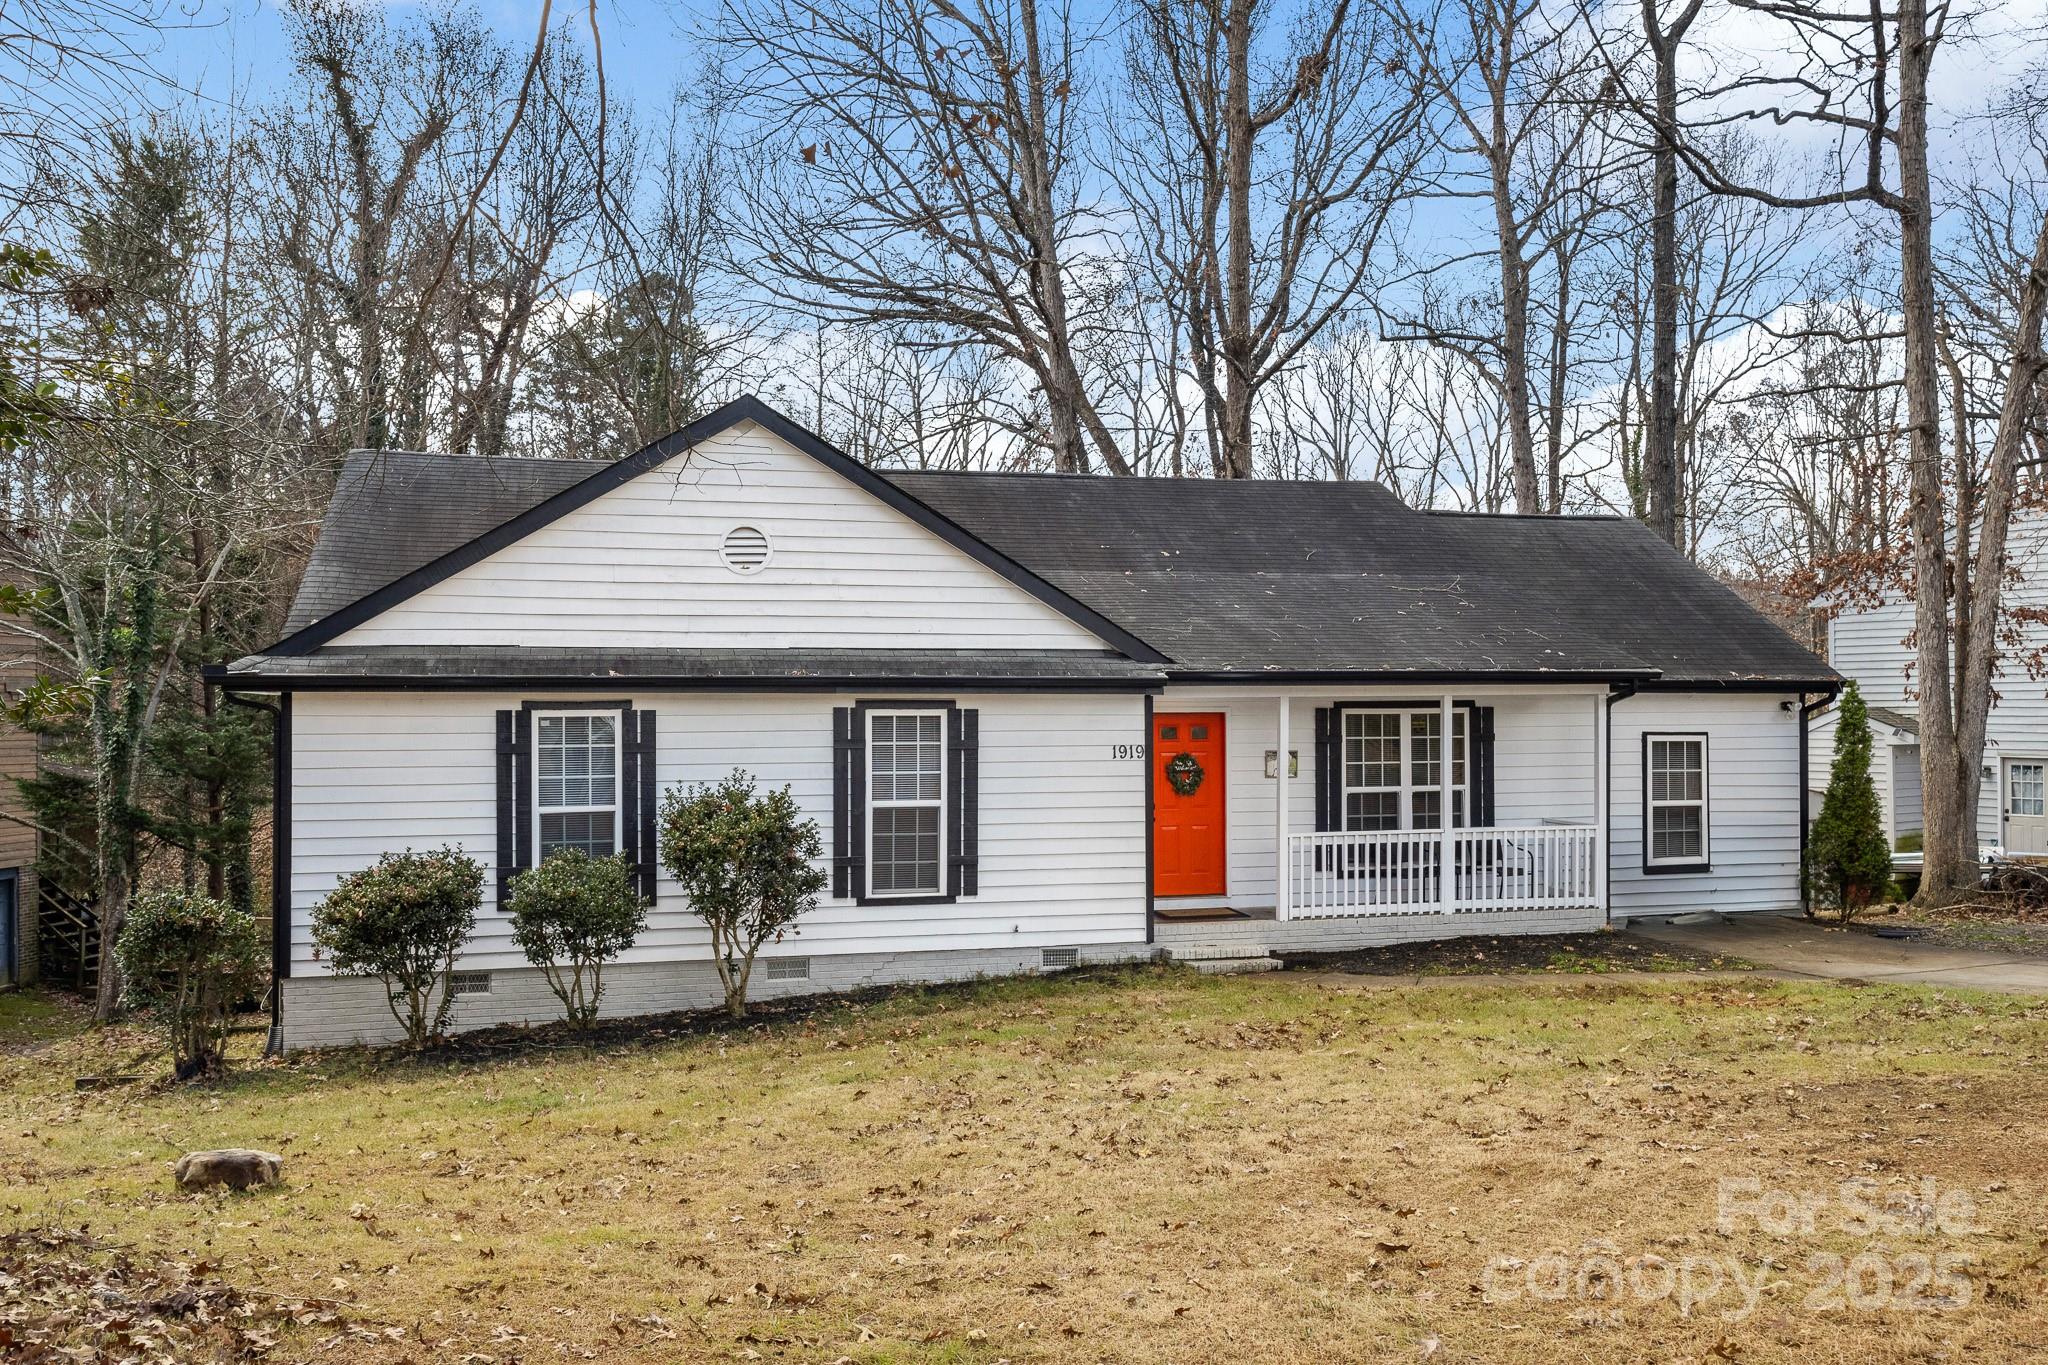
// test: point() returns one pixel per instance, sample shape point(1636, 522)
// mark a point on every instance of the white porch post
point(1283, 893)
point(1446, 891)
point(1603, 719)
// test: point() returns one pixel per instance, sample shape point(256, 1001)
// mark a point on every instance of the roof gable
point(491, 587)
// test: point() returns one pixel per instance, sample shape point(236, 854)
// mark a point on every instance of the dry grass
point(1143, 1167)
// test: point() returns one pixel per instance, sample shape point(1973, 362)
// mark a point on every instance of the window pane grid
point(1393, 769)
point(1677, 799)
point(2029, 789)
point(576, 783)
point(906, 787)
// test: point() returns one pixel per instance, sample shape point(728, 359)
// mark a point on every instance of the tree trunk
point(1236, 303)
point(1949, 869)
point(1660, 451)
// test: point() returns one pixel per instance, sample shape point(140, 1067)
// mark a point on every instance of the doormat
point(1184, 915)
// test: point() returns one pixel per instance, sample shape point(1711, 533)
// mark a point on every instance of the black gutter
point(479, 682)
point(1253, 676)
point(280, 853)
point(1620, 692)
point(1151, 822)
point(1809, 684)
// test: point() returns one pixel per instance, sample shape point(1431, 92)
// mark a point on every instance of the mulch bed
point(1555, 954)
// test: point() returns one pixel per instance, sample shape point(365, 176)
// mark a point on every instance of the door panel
point(2026, 806)
point(1189, 785)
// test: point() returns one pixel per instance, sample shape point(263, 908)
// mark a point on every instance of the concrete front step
point(1227, 966)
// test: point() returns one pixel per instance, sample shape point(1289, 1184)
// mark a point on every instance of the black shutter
point(966, 803)
point(522, 790)
point(1327, 774)
point(649, 861)
point(628, 840)
point(842, 801)
point(508, 818)
point(1482, 767)
point(954, 787)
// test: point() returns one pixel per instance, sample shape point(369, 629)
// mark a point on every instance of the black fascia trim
point(1360, 677)
point(1823, 685)
point(491, 682)
point(565, 704)
point(743, 409)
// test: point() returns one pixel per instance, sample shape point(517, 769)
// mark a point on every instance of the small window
point(469, 983)
point(1675, 801)
point(906, 802)
point(1198, 732)
point(746, 550)
point(789, 969)
point(576, 782)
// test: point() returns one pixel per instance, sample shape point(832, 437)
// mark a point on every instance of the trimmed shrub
point(187, 958)
point(1848, 864)
point(404, 920)
point(570, 916)
point(748, 865)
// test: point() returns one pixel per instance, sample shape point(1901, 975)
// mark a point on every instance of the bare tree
point(1269, 153)
point(1520, 96)
point(917, 161)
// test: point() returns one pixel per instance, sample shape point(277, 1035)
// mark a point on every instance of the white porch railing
point(1401, 872)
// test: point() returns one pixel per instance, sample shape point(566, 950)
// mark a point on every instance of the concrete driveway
point(1797, 946)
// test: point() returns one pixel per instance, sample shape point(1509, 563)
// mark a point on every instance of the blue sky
point(236, 47)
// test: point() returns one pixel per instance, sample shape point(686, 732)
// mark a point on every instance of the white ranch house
point(1042, 719)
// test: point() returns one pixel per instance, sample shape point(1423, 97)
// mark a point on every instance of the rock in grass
point(238, 1168)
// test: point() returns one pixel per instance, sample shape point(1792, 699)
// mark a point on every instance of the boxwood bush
point(572, 915)
point(404, 921)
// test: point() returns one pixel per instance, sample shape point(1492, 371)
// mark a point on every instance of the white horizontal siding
point(1753, 803)
point(639, 568)
point(1062, 846)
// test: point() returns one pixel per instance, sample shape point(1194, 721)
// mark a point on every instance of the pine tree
point(1848, 861)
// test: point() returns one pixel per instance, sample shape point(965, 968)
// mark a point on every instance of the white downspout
point(1283, 894)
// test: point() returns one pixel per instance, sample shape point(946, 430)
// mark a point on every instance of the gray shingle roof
point(1309, 577)
point(1222, 577)
point(394, 510)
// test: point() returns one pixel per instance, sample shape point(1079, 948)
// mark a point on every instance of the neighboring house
point(1875, 646)
point(1040, 719)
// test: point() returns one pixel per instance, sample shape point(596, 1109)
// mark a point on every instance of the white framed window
point(1675, 826)
point(576, 782)
point(906, 831)
point(1393, 769)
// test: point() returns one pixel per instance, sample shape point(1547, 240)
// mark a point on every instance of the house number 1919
point(1124, 751)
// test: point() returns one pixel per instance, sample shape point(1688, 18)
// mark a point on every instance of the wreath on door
point(1184, 773)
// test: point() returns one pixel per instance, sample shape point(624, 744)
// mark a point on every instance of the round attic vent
point(746, 549)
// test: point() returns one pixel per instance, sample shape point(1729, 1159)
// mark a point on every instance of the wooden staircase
point(68, 938)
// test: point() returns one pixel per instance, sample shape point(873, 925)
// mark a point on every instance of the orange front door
point(1188, 787)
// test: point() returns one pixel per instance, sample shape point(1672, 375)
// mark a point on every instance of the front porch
point(1343, 845)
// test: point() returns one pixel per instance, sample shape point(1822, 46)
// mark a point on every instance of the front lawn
point(1142, 1166)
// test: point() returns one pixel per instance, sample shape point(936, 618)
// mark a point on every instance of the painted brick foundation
point(327, 1011)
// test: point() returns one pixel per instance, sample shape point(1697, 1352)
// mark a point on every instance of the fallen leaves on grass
point(67, 1296)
